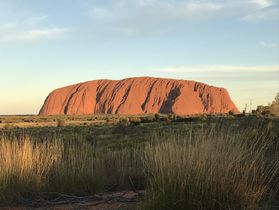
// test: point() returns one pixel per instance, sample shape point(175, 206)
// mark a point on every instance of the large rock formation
point(137, 96)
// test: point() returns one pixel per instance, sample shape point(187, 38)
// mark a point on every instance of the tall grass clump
point(83, 171)
point(213, 169)
point(29, 168)
point(25, 165)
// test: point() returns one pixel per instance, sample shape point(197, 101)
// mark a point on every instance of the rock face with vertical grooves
point(137, 96)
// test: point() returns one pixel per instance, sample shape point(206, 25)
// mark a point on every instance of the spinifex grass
point(216, 169)
point(28, 166)
point(24, 165)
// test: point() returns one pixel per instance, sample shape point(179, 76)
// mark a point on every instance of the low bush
point(172, 117)
point(124, 122)
point(147, 119)
point(231, 112)
point(134, 120)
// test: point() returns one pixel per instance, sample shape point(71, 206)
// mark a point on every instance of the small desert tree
point(276, 99)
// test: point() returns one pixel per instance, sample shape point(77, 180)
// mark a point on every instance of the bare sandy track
point(113, 201)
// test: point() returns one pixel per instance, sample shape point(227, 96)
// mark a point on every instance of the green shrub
point(157, 116)
point(124, 122)
point(231, 112)
point(147, 119)
point(135, 120)
point(172, 117)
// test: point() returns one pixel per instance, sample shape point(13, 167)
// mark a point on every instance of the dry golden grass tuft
point(213, 170)
point(26, 163)
point(30, 166)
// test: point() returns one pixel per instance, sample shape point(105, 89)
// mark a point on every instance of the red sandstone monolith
point(137, 96)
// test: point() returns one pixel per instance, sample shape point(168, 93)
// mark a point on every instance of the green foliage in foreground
point(231, 164)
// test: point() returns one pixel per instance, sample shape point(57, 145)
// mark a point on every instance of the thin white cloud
point(30, 29)
point(159, 10)
point(33, 21)
point(263, 3)
point(141, 16)
point(220, 68)
point(266, 13)
point(148, 16)
point(269, 44)
point(33, 34)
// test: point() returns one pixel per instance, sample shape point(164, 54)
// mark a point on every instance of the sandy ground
point(113, 201)
point(72, 207)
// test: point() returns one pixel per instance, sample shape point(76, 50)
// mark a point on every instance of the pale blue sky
point(48, 44)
